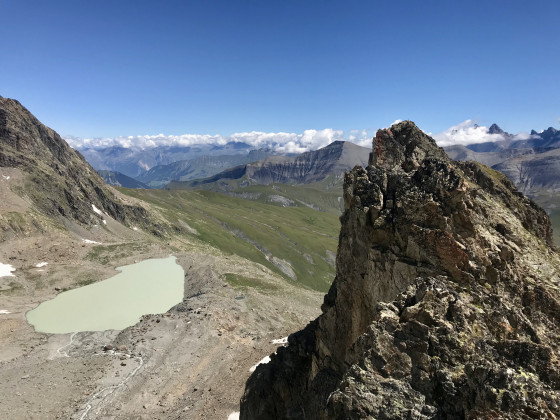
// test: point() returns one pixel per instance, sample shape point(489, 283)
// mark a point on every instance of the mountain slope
point(489, 155)
point(534, 172)
point(116, 179)
point(57, 183)
point(445, 303)
point(532, 164)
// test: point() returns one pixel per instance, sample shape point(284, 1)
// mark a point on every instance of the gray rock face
point(534, 172)
point(308, 167)
point(445, 302)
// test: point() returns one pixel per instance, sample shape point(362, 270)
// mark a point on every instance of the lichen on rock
point(445, 302)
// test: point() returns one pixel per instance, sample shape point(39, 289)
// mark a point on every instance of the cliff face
point(445, 304)
point(307, 167)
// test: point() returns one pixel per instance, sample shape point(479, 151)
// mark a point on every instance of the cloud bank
point(280, 142)
point(464, 133)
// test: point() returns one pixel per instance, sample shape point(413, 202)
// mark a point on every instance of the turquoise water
point(149, 287)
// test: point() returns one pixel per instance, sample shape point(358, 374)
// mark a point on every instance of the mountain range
point(134, 161)
point(532, 163)
point(306, 168)
point(200, 167)
point(62, 227)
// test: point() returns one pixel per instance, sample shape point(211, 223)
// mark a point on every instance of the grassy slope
point(254, 230)
point(325, 195)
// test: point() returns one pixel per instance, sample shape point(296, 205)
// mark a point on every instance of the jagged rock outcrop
point(59, 182)
point(445, 304)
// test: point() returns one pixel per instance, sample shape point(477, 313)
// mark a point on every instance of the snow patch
point(6, 270)
point(264, 361)
point(88, 241)
point(4, 312)
point(41, 264)
point(283, 340)
point(233, 416)
point(96, 210)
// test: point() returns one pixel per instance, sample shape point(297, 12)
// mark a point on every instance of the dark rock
point(438, 309)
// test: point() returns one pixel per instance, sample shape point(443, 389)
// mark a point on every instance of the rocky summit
point(446, 301)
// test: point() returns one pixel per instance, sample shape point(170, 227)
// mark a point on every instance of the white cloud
point(523, 136)
point(466, 133)
point(281, 142)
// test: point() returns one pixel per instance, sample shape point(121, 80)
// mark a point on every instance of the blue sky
point(120, 68)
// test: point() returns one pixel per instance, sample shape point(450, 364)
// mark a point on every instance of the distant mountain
point(306, 168)
point(488, 153)
point(201, 167)
point(312, 179)
point(116, 179)
point(133, 161)
point(532, 163)
point(533, 171)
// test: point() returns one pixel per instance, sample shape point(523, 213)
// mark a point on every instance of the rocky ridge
point(56, 179)
point(445, 302)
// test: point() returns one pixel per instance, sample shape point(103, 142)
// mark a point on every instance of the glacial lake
point(149, 287)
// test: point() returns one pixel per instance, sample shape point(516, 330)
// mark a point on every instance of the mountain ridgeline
point(533, 163)
point(306, 168)
point(58, 182)
point(445, 303)
point(134, 161)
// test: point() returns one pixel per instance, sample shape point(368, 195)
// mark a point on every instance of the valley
point(250, 278)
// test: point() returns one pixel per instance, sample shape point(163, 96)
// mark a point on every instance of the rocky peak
point(495, 129)
point(442, 302)
point(550, 132)
point(402, 147)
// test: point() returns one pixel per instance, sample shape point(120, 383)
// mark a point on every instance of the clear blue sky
point(110, 68)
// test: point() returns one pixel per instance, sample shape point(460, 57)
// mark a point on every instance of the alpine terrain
point(251, 275)
point(445, 302)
